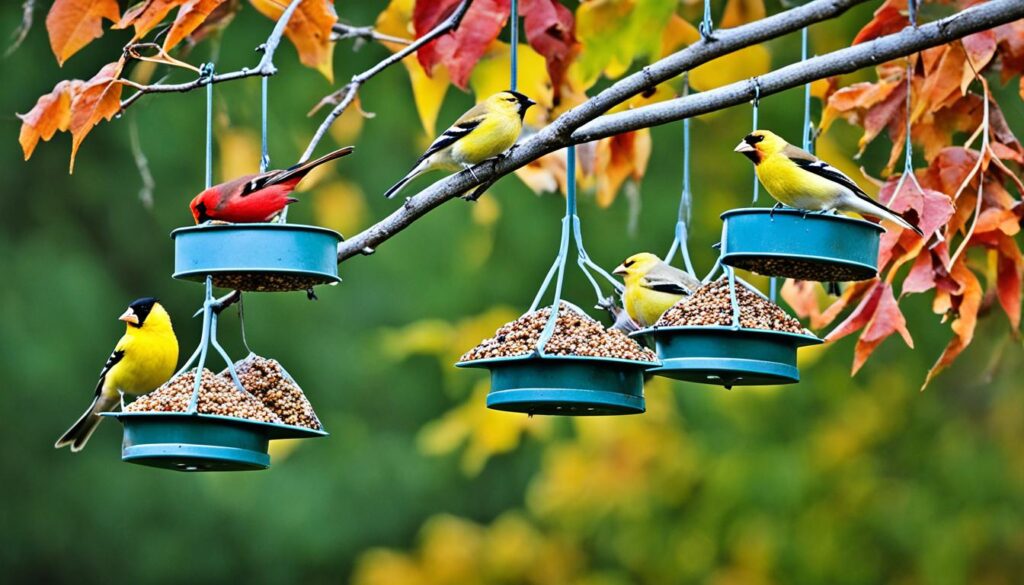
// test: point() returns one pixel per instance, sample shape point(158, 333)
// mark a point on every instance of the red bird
point(255, 198)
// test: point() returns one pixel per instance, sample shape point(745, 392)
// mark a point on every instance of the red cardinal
point(255, 198)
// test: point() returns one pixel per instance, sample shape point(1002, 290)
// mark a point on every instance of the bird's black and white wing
point(671, 280)
point(450, 136)
point(112, 361)
point(812, 164)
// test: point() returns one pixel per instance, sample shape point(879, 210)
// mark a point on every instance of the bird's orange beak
point(620, 270)
point(743, 147)
point(129, 316)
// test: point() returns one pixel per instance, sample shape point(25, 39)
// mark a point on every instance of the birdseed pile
point(711, 305)
point(265, 379)
point(259, 282)
point(575, 334)
point(217, 395)
point(800, 269)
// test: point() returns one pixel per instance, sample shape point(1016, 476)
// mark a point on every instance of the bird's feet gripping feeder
point(563, 362)
point(790, 243)
point(728, 335)
point(201, 421)
point(260, 257)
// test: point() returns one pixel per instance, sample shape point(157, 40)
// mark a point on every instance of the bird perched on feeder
point(652, 287)
point(798, 179)
point(487, 130)
point(255, 198)
point(143, 359)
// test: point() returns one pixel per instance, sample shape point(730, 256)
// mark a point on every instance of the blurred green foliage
point(834, 480)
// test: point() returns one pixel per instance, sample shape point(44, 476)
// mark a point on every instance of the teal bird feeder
point(258, 257)
point(194, 441)
point(546, 384)
point(790, 243)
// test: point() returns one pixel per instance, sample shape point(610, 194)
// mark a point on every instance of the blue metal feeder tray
point(261, 257)
point(201, 442)
point(791, 244)
point(565, 385)
point(725, 356)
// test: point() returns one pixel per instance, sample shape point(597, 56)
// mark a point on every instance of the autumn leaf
point(739, 12)
point(491, 76)
point(459, 50)
point(216, 21)
point(879, 316)
point(551, 31)
point(145, 15)
point(890, 18)
point(964, 302)
point(97, 99)
point(309, 30)
point(190, 16)
point(743, 64)
point(803, 297)
point(620, 157)
point(930, 210)
point(51, 113)
point(73, 24)
point(614, 33)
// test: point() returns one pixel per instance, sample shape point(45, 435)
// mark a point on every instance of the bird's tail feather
point(877, 208)
point(416, 171)
point(300, 170)
point(78, 435)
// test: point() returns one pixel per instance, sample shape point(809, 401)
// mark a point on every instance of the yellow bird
point(796, 178)
point(143, 359)
point(652, 287)
point(487, 130)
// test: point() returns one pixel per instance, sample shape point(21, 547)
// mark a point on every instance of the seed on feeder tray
point(265, 282)
point(799, 269)
point(576, 334)
point(711, 305)
point(216, 396)
point(265, 379)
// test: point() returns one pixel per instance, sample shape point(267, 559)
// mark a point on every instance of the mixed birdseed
point(576, 334)
point(265, 379)
point(262, 282)
point(711, 305)
point(801, 269)
point(217, 395)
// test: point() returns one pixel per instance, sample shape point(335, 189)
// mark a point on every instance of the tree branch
point(347, 94)
point(341, 31)
point(265, 68)
point(581, 124)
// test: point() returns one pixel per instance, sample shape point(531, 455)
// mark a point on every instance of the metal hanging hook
point(679, 242)
point(514, 45)
point(706, 27)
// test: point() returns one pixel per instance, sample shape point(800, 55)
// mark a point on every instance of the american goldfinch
point(143, 359)
point(487, 130)
point(255, 198)
point(652, 287)
point(796, 178)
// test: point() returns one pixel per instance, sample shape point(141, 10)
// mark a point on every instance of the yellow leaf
point(341, 206)
point(238, 151)
point(491, 76)
point(486, 211)
point(739, 12)
point(428, 90)
point(743, 64)
point(309, 30)
point(346, 129)
point(678, 33)
point(73, 24)
point(613, 33)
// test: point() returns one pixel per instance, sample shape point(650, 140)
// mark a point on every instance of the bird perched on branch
point(487, 130)
point(798, 179)
point(652, 287)
point(255, 198)
point(143, 359)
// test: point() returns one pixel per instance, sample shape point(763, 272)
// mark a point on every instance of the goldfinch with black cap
point(143, 359)
point(652, 287)
point(798, 179)
point(487, 130)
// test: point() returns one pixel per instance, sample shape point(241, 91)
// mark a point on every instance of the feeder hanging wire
point(755, 104)
point(706, 27)
point(685, 199)
point(514, 45)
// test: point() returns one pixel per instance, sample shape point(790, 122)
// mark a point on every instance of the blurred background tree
point(837, 479)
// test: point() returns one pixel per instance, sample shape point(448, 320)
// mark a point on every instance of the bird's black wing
point(112, 361)
point(258, 182)
point(827, 171)
point(673, 288)
point(449, 136)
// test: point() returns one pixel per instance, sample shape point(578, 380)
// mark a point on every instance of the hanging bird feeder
point(259, 257)
point(792, 243)
point(756, 346)
point(181, 438)
point(563, 362)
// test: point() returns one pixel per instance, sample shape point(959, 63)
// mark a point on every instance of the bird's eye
point(754, 138)
point(511, 100)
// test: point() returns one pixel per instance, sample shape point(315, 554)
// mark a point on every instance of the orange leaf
point(852, 294)
point(98, 99)
point(190, 16)
point(885, 320)
point(1008, 279)
point(802, 297)
point(144, 16)
point(216, 21)
point(862, 314)
point(739, 12)
point(889, 18)
point(618, 158)
point(51, 113)
point(851, 102)
point(309, 29)
point(929, 266)
point(965, 302)
point(980, 48)
point(73, 24)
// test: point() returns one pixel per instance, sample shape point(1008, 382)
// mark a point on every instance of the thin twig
point(19, 34)
point(265, 68)
point(142, 163)
point(342, 31)
point(579, 124)
point(347, 94)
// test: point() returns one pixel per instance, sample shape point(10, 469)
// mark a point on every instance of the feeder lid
point(798, 339)
point(490, 362)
